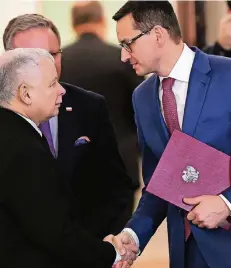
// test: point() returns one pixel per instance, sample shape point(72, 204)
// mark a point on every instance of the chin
point(56, 112)
point(140, 71)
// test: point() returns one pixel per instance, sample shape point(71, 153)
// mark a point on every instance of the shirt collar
point(32, 123)
point(182, 69)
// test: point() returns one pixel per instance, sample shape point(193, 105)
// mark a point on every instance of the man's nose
point(62, 90)
point(125, 55)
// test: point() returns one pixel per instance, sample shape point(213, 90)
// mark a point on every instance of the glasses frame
point(126, 44)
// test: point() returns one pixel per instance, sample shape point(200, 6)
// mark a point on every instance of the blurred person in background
point(222, 46)
point(94, 65)
point(81, 137)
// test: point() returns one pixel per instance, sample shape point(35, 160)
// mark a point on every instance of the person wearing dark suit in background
point(222, 47)
point(95, 65)
point(81, 137)
point(37, 228)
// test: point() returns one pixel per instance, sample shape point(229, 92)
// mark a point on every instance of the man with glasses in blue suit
point(189, 91)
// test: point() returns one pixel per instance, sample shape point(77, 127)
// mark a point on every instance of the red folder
point(189, 168)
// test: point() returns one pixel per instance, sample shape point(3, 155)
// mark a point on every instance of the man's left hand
point(209, 211)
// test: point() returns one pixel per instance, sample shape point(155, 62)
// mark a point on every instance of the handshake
point(126, 249)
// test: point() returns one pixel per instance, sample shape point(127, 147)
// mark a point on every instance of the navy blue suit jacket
point(207, 117)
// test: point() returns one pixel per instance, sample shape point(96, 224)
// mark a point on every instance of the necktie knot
point(167, 83)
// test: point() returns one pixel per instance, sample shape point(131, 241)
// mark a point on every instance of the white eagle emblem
point(190, 174)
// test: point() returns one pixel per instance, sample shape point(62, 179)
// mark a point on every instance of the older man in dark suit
point(81, 137)
point(36, 228)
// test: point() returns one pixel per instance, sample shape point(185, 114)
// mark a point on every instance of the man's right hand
point(224, 36)
point(124, 240)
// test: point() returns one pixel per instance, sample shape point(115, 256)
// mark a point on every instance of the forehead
point(36, 38)
point(125, 28)
point(47, 69)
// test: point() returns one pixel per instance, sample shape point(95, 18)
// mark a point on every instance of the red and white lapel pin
point(69, 109)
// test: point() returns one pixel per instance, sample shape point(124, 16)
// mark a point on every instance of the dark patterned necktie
point(172, 122)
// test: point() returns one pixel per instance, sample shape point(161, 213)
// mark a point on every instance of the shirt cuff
point(226, 202)
point(118, 257)
point(133, 234)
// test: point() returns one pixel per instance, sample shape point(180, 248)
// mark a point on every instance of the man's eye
point(53, 84)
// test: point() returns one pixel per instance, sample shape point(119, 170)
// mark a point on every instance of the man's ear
point(25, 93)
point(159, 34)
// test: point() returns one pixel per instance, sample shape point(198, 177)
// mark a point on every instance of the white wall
point(12, 8)
point(59, 13)
point(214, 11)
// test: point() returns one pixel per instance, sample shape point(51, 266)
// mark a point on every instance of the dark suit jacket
point(217, 49)
point(96, 66)
point(96, 171)
point(36, 227)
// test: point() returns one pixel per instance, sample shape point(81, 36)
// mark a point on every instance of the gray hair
point(13, 64)
point(26, 22)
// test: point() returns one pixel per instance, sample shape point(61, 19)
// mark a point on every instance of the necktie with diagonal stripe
point(172, 122)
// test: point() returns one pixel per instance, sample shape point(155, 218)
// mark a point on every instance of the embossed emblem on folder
point(190, 174)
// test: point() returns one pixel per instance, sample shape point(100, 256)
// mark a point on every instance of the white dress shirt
point(54, 129)
point(181, 73)
point(32, 123)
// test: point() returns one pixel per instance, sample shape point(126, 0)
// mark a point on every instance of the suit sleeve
point(41, 210)
point(132, 81)
point(151, 210)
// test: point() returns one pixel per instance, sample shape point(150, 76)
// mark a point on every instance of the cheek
point(142, 54)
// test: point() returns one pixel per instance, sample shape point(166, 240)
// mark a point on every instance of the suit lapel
point(157, 130)
point(69, 125)
point(158, 117)
point(197, 90)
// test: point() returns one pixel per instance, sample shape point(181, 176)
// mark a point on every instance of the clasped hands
point(209, 211)
point(126, 247)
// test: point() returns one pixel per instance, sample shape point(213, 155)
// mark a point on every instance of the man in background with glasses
point(151, 41)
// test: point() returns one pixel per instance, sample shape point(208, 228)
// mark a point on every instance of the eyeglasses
point(54, 54)
point(126, 44)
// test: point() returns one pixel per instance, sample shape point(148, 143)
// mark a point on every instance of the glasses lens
point(125, 46)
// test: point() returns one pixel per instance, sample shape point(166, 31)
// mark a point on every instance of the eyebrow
point(125, 40)
point(53, 80)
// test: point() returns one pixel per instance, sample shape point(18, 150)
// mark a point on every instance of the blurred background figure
point(222, 46)
point(94, 65)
